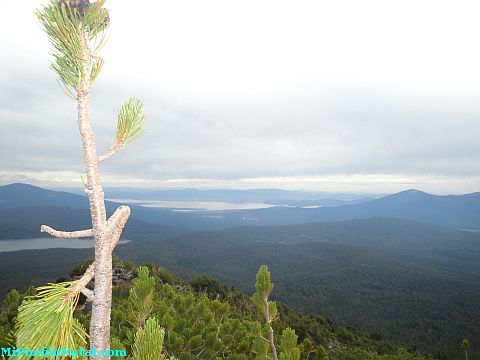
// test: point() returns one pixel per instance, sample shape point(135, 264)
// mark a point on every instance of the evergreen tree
point(76, 30)
point(289, 350)
point(268, 308)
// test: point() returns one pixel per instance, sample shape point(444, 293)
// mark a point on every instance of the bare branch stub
point(88, 293)
point(66, 234)
point(116, 223)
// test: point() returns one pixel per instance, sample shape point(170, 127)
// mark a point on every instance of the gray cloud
point(348, 133)
point(321, 135)
point(308, 128)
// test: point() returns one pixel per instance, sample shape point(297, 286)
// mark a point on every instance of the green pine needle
point(47, 320)
point(141, 298)
point(65, 29)
point(149, 342)
point(263, 284)
point(130, 122)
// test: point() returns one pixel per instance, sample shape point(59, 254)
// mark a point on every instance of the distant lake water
point(193, 205)
point(47, 243)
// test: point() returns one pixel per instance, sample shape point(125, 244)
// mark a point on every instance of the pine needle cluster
point(66, 26)
point(46, 320)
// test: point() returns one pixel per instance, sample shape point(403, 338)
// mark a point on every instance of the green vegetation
point(203, 319)
point(416, 284)
point(39, 316)
point(423, 301)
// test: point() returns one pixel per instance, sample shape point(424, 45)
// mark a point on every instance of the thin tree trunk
point(101, 308)
point(270, 330)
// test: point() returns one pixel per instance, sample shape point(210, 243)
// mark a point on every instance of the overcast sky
point(353, 96)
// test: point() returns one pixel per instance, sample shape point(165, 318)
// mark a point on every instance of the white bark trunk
point(100, 320)
point(115, 225)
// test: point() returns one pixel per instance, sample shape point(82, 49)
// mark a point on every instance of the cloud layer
point(309, 96)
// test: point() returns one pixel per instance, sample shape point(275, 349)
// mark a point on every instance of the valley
point(418, 283)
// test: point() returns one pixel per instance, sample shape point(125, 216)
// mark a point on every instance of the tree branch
point(81, 283)
point(66, 234)
point(113, 150)
point(88, 293)
point(115, 225)
point(264, 339)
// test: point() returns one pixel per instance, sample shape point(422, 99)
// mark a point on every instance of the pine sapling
point(268, 308)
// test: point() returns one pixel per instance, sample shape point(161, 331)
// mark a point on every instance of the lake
point(193, 205)
point(47, 243)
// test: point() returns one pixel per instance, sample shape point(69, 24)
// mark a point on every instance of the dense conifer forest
point(204, 319)
point(412, 283)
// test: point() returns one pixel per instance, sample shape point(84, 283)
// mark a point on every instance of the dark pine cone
point(78, 7)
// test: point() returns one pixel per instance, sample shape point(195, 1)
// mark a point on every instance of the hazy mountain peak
point(413, 192)
point(409, 194)
point(20, 186)
point(18, 195)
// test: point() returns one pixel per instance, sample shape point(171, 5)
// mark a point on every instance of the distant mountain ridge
point(226, 195)
point(19, 195)
point(24, 208)
point(455, 211)
point(317, 202)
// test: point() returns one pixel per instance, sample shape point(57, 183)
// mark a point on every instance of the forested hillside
point(416, 283)
point(204, 319)
point(418, 308)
